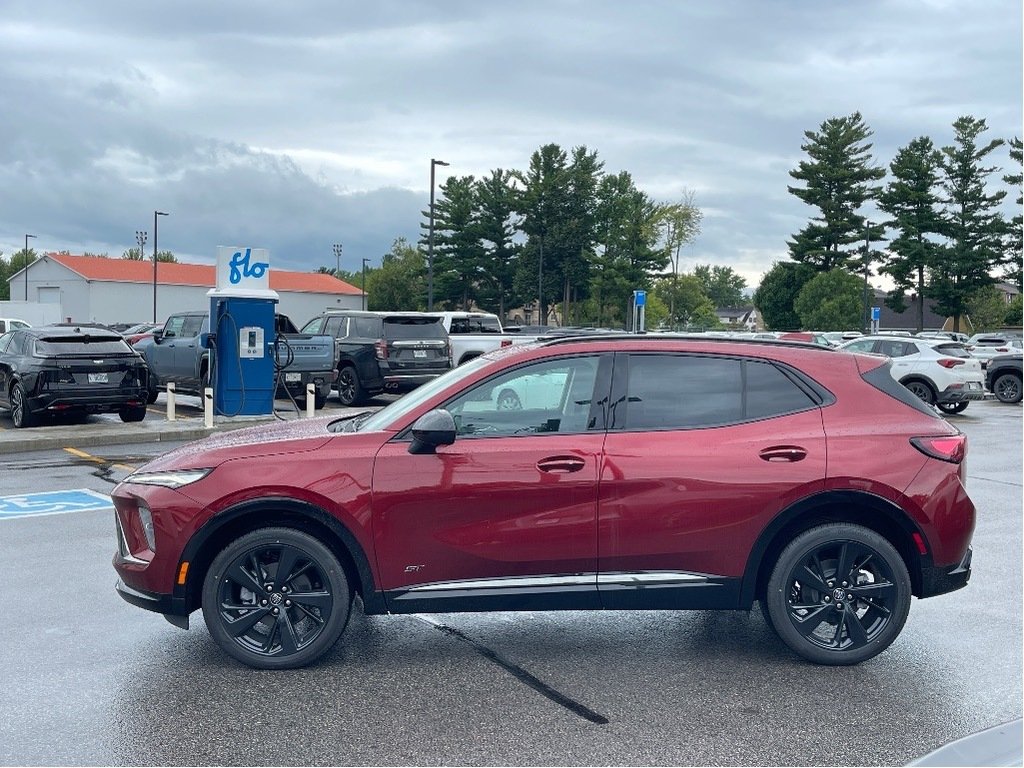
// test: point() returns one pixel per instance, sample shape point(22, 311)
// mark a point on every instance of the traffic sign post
point(876, 316)
point(639, 311)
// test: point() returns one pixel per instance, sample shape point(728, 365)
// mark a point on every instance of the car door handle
point(561, 464)
point(784, 453)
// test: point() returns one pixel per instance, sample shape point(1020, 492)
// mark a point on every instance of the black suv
point(383, 351)
point(70, 369)
point(1003, 377)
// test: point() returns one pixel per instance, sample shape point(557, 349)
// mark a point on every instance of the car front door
point(702, 451)
point(506, 516)
point(160, 354)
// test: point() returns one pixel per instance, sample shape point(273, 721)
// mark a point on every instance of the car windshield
point(386, 417)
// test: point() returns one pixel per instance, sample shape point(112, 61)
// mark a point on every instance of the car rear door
point(702, 451)
point(506, 516)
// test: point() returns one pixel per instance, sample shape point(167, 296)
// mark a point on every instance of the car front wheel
point(1007, 388)
point(350, 391)
point(839, 594)
point(21, 414)
point(276, 598)
point(132, 413)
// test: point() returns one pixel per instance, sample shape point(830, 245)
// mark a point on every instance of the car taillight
point(506, 342)
point(381, 348)
point(949, 362)
point(951, 448)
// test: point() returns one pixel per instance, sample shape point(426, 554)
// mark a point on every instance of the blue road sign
point(640, 298)
point(52, 503)
point(876, 313)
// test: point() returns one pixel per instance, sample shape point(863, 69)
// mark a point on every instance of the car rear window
point(414, 328)
point(81, 345)
point(952, 350)
point(475, 325)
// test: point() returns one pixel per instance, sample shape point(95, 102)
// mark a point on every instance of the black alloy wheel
point(953, 407)
point(839, 594)
point(350, 391)
point(21, 414)
point(922, 390)
point(276, 598)
point(1007, 388)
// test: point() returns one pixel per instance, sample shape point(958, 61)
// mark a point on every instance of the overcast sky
point(296, 125)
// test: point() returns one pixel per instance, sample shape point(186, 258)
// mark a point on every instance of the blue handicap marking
point(52, 503)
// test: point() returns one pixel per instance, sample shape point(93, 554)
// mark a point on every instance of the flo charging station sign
point(243, 269)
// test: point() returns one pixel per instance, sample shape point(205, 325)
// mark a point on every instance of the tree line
point(939, 216)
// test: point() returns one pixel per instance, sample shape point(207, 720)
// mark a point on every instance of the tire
point(289, 625)
point(509, 401)
point(151, 396)
point(21, 415)
point(319, 401)
point(132, 413)
point(921, 389)
point(1007, 388)
point(953, 407)
point(819, 618)
point(350, 390)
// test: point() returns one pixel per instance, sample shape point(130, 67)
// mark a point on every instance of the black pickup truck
point(175, 353)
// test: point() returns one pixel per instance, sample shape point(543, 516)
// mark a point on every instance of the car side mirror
point(158, 334)
point(432, 429)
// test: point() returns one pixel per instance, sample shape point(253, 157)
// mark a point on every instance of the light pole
point(155, 214)
point(337, 256)
point(867, 260)
point(141, 236)
point(430, 238)
point(364, 282)
point(26, 264)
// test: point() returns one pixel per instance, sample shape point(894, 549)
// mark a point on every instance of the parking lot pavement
point(108, 429)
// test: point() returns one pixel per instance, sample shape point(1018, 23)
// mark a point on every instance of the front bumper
point(940, 580)
point(172, 608)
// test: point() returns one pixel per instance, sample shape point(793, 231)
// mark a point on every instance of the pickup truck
point(175, 353)
point(475, 333)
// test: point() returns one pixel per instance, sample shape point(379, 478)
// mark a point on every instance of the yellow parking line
point(84, 455)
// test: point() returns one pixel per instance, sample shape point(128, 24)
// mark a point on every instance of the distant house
point(113, 290)
point(1009, 291)
point(745, 317)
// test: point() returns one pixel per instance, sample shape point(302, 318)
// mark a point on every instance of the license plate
point(290, 377)
point(419, 353)
point(973, 385)
point(98, 378)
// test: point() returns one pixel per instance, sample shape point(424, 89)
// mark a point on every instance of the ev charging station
point(242, 333)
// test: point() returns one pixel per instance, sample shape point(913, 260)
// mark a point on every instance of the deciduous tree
point(775, 296)
point(830, 301)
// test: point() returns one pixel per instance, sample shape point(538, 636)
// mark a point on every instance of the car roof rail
point(666, 337)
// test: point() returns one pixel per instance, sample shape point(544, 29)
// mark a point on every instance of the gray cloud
point(293, 126)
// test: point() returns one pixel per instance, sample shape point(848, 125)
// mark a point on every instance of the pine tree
point(912, 199)
point(837, 181)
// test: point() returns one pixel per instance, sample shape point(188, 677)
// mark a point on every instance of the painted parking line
point(98, 460)
point(52, 503)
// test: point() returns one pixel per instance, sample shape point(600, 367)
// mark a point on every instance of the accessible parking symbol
point(52, 503)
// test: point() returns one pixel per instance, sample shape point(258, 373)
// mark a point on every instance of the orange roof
point(113, 270)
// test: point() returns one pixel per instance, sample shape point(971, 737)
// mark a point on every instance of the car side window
point(17, 344)
point(192, 326)
point(860, 346)
point(367, 327)
point(313, 326)
point(896, 348)
point(681, 391)
point(546, 397)
point(770, 392)
point(173, 326)
point(5, 339)
point(337, 327)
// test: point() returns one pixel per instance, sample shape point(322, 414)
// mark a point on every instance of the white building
point(112, 290)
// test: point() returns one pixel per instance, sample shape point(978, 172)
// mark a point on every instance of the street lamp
point(26, 264)
point(430, 238)
point(141, 236)
point(155, 214)
point(364, 282)
point(337, 255)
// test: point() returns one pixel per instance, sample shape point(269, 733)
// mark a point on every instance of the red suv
point(632, 473)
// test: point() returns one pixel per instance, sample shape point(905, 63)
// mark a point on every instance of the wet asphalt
point(91, 680)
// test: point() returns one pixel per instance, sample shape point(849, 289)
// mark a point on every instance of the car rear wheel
point(132, 413)
point(922, 390)
point(21, 415)
point(350, 391)
point(953, 407)
point(276, 598)
point(152, 395)
point(509, 401)
point(1007, 388)
point(839, 594)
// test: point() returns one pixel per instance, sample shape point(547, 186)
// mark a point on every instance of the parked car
point(950, 335)
point(12, 324)
point(383, 351)
point(70, 369)
point(985, 346)
point(650, 472)
point(1003, 377)
point(136, 333)
point(940, 372)
point(807, 336)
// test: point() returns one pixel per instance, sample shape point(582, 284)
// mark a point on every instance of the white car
point(12, 324)
point(939, 371)
point(985, 346)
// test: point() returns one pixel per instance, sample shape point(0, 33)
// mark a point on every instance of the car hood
point(260, 440)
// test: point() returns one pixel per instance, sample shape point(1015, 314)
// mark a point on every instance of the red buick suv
point(600, 472)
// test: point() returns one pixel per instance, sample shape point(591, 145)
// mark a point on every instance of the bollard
point(171, 412)
point(310, 400)
point(208, 407)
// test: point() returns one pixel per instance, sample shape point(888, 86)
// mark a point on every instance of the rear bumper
point(940, 580)
point(56, 400)
point(295, 382)
point(404, 382)
point(959, 393)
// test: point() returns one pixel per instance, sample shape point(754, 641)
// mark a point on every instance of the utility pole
point(430, 238)
point(364, 282)
point(337, 255)
point(155, 214)
point(26, 264)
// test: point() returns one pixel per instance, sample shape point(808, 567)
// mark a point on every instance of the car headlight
point(174, 478)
